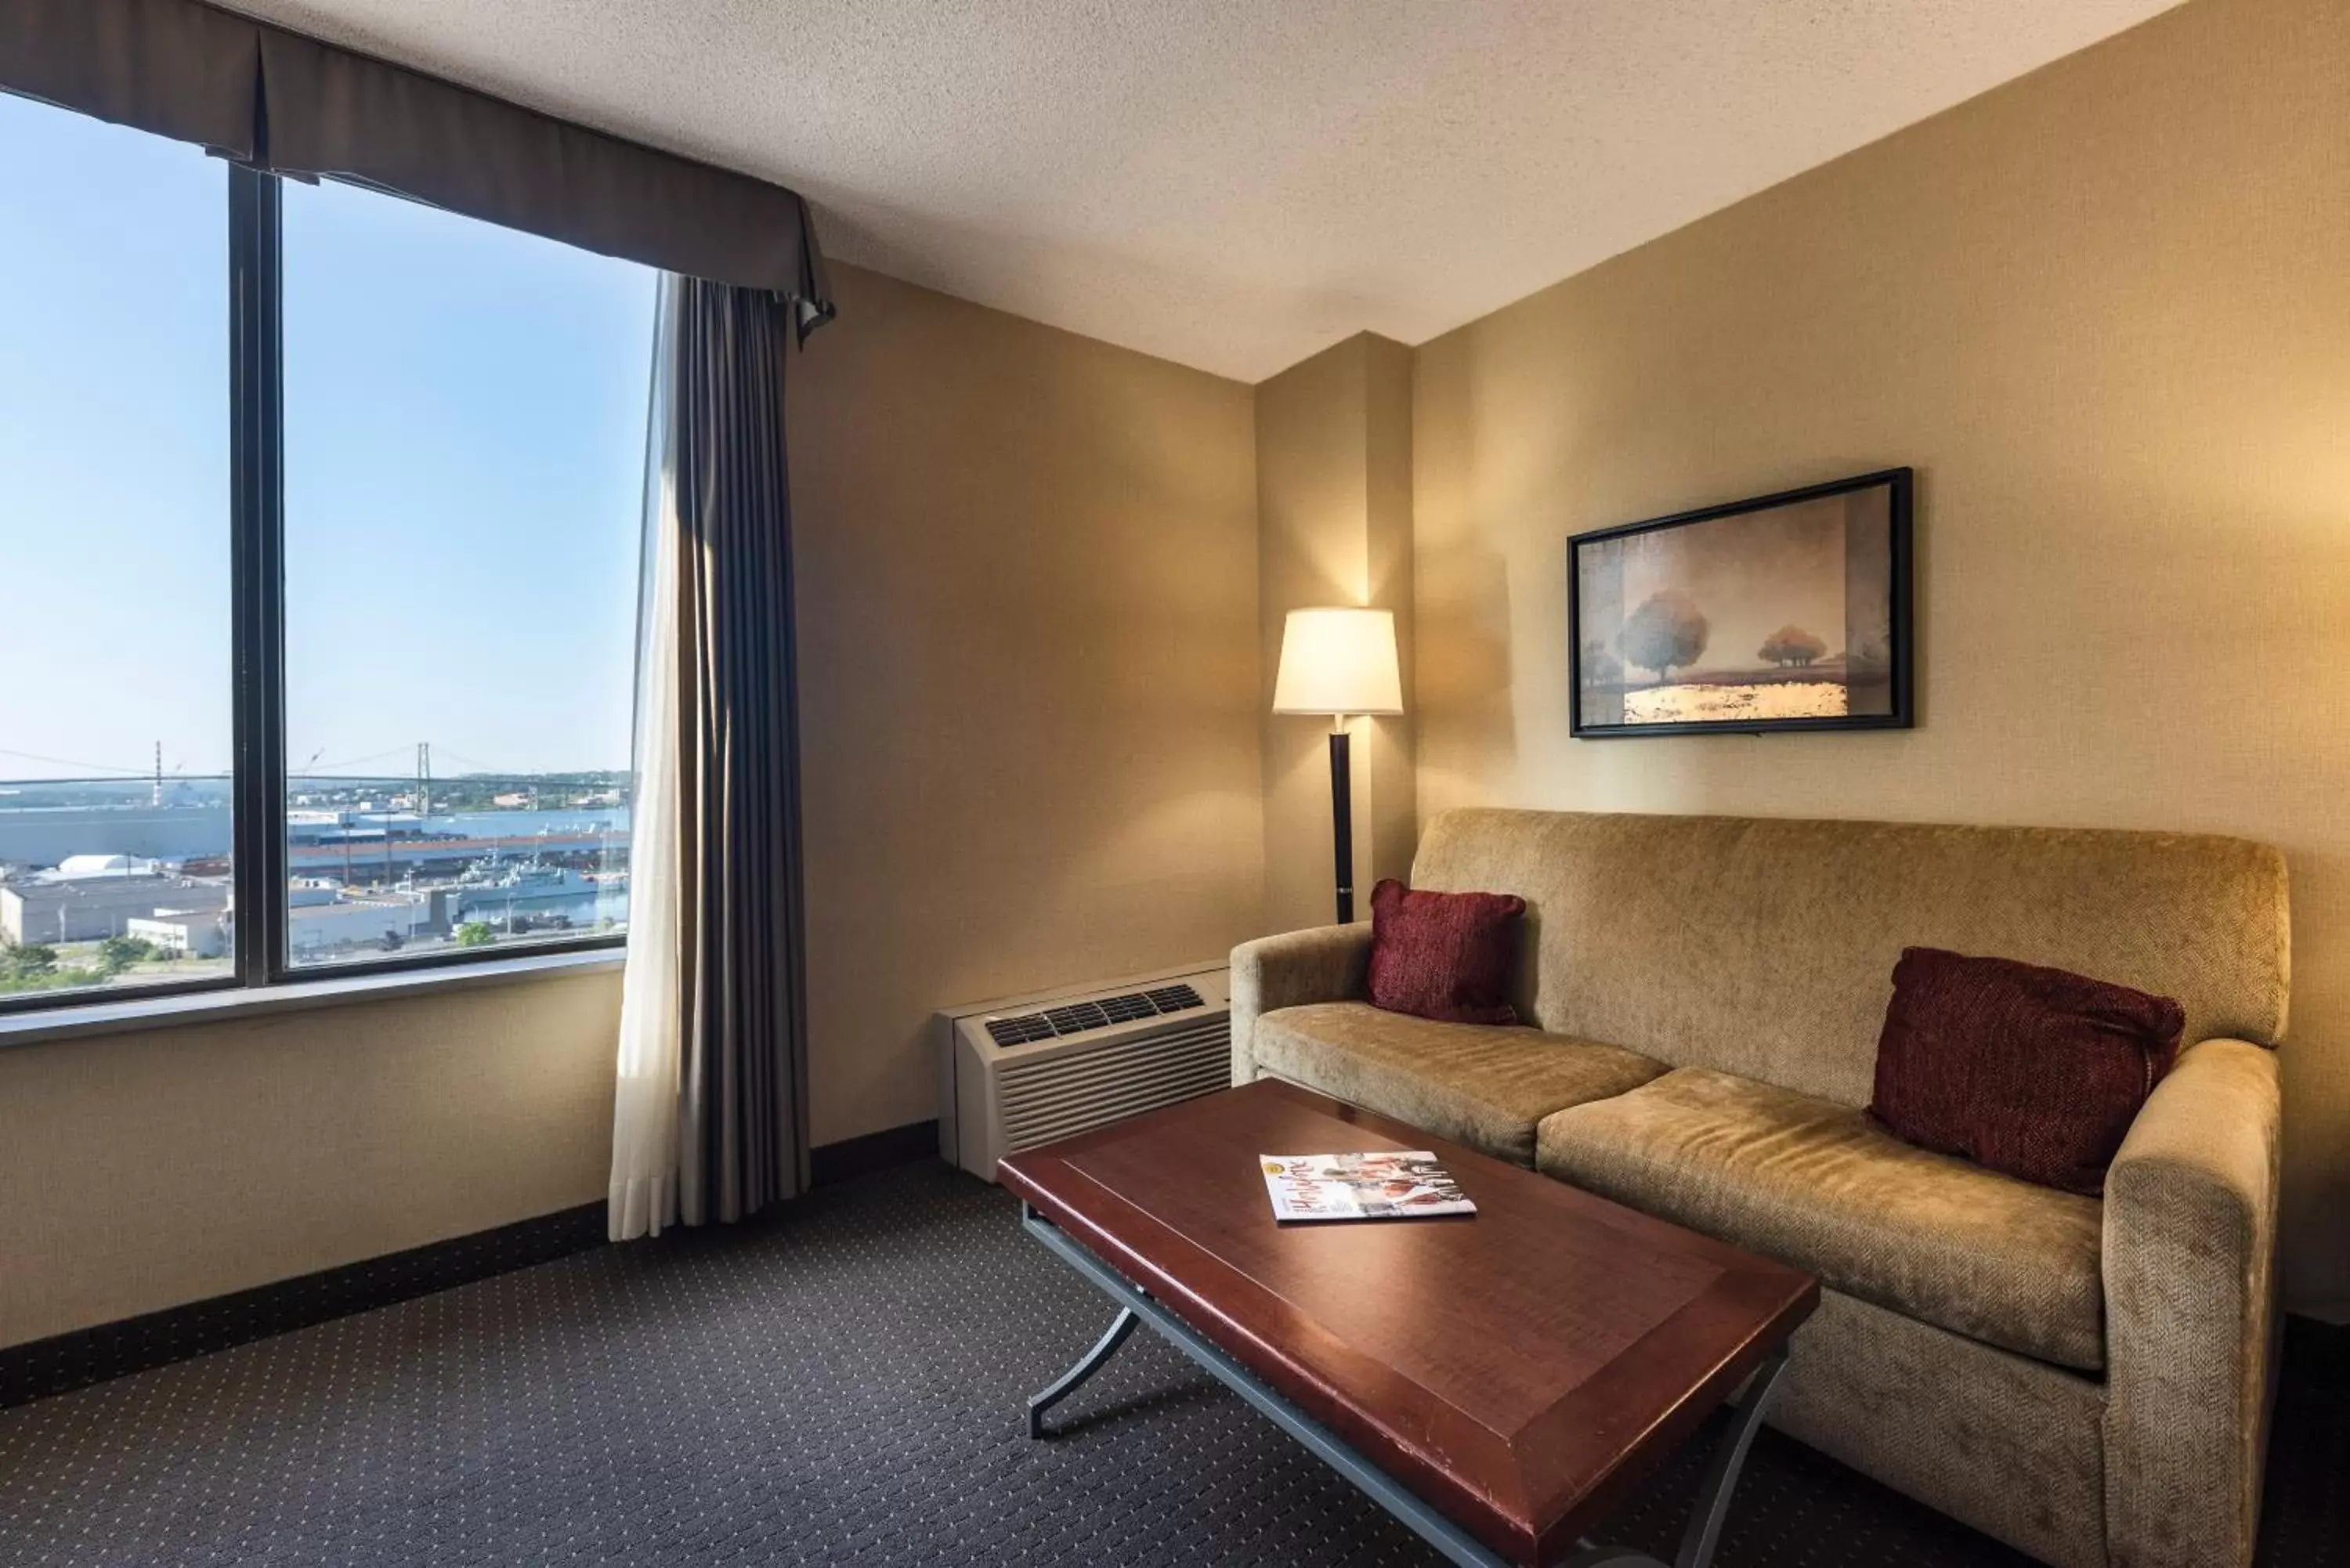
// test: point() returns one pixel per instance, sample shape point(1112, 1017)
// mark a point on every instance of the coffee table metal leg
point(1067, 1383)
point(1704, 1531)
point(1729, 1458)
point(1456, 1544)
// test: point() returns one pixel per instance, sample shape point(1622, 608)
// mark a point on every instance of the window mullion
point(257, 484)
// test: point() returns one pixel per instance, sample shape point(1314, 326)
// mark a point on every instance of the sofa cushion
point(1817, 1185)
point(2032, 1070)
point(1445, 956)
point(1482, 1084)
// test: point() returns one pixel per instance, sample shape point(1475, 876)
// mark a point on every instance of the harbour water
point(44, 836)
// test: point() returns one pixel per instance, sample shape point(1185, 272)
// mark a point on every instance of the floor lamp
point(1339, 662)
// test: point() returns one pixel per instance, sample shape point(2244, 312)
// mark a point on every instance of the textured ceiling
point(1237, 184)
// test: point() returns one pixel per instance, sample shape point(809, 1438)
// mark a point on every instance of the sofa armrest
point(2191, 1311)
point(1325, 964)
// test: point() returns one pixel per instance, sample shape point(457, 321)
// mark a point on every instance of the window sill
point(133, 1014)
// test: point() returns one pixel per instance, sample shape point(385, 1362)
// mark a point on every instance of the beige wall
point(2105, 312)
point(1334, 527)
point(139, 1171)
point(1028, 607)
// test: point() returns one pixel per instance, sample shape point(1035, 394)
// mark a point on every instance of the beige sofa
point(2086, 1380)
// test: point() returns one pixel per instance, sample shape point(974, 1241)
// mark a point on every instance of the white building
point(188, 933)
point(318, 920)
point(387, 921)
point(93, 867)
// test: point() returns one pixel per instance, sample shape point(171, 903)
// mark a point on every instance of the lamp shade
point(1338, 661)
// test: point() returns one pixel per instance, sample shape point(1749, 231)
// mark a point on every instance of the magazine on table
point(1385, 1185)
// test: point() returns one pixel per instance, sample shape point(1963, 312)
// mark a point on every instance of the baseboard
point(68, 1360)
point(875, 1151)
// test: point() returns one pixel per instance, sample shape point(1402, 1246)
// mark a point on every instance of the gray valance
point(181, 70)
point(295, 106)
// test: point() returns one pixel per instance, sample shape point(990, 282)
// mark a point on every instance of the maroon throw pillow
point(1445, 956)
point(2034, 1072)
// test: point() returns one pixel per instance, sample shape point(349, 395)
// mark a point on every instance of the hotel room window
point(464, 444)
point(115, 657)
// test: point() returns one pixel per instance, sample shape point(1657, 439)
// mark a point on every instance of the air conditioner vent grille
point(1127, 1008)
point(1019, 1031)
point(1050, 1097)
point(1076, 1017)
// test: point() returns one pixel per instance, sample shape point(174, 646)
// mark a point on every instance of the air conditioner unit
point(1023, 1071)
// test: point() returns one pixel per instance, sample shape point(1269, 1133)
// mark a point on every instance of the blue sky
point(465, 417)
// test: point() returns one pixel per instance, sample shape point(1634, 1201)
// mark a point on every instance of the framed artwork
point(1785, 612)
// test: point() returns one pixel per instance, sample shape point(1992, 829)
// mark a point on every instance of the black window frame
point(261, 956)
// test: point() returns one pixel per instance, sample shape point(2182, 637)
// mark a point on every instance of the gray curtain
point(743, 1059)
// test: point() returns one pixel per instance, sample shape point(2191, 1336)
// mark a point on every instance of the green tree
point(1665, 633)
point(29, 960)
point(116, 954)
point(476, 934)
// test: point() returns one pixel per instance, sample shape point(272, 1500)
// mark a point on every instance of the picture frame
point(1790, 611)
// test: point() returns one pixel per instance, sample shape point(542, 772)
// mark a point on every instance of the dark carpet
point(842, 1385)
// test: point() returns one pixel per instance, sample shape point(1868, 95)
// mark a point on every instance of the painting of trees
point(1666, 633)
point(1792, 645)
point(1673, 618)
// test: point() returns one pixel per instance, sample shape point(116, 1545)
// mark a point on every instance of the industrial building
point(349, 844)
point(381, 921)
point(385, 921)
point(90, 897)
point(57, 907)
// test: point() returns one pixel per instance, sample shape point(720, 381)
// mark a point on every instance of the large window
point(318, 549)
point(116, 744)
point(464, 459)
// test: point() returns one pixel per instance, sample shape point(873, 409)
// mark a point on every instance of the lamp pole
point(1342, 814)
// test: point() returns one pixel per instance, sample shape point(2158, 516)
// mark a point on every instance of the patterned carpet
point(840, 1386)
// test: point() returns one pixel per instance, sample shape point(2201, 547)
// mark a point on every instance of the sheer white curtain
point(646, 1107)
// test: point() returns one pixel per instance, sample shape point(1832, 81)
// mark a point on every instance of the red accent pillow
point(1445, 956)
point(2034, 1072)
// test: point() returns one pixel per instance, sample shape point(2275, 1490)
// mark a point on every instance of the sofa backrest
point(1765, 948)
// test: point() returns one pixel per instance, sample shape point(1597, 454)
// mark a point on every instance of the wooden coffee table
point(1496, 1381)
